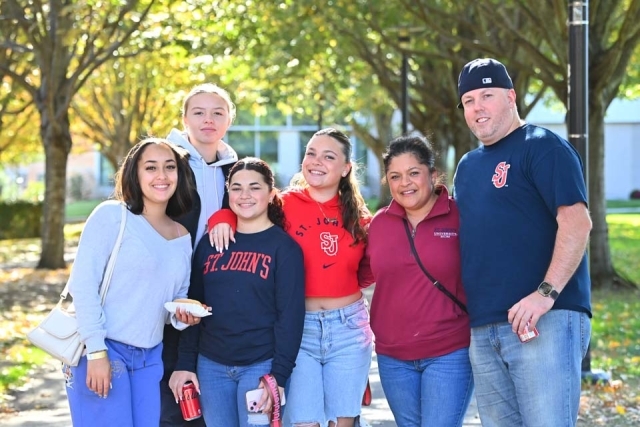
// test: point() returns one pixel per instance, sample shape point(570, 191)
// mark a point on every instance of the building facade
point(280, 140)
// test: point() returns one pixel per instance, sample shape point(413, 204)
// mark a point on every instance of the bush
point(635, 194)
point(20, 219)
point(80, 187)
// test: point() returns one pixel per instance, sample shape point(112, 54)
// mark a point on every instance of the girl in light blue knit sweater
point(117, 382)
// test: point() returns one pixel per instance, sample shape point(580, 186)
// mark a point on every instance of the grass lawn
point(615, 342)
point(80, 209)
point(624, 241)
point(616, 319)
point(623, 203)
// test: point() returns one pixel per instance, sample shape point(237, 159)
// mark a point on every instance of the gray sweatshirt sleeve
point(96, 243)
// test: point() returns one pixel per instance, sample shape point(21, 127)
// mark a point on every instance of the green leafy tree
point(532, 40)
point(125, 100)
point(344, 61)
point(16, 109)
point(56, 45)
point(18, 142)
point(290, 56)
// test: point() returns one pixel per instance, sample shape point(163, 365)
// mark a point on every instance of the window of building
point(360, 157)
point(274, 117)
point(262, 144)
point(305, 136)
point(244, 117)
point(106, 172)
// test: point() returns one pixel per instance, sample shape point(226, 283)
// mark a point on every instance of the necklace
point(324, 215)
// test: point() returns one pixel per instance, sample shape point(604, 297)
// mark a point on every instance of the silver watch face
point(545, 288)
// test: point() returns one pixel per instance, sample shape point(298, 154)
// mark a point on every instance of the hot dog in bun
point(188, 301)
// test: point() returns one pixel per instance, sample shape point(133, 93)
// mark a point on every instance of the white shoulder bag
point(58, 334)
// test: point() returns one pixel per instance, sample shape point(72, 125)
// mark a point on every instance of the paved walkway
point(42, 402)
point(46, 396)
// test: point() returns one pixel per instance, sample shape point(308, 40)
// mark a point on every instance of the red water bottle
point(190, 403)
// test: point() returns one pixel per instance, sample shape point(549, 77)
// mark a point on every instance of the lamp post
point(578, 118)
point(579, 80)
point(403, 39)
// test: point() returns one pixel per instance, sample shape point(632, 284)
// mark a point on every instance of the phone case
point(253, 397)
point(529, 334)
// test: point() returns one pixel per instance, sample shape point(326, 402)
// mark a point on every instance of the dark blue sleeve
point(558, 177)
point(290, 307)
point(190, 337)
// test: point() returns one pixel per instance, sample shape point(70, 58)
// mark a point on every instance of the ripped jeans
point(332, 367)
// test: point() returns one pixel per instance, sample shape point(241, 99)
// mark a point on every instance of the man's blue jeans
point(532, 384)
point(428, 392)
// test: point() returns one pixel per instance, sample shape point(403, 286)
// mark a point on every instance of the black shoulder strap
point(429, 276)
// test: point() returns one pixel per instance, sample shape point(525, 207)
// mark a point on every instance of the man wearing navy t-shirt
point(524, 227)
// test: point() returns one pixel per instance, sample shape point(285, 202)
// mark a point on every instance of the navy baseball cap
point(480, 73)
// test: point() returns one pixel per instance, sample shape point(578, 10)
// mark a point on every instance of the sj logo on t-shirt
point(329, 243)
point(499, 178)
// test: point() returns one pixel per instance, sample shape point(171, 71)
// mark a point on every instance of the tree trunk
point(57, 145)
point(599, 253)
point(385, 193)
point(603, 275)
point(385, 136)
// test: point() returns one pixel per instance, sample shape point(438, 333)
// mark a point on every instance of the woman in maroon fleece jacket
point(421, 331)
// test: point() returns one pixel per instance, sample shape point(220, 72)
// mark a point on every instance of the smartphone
point(528, 334)
point(253, 397)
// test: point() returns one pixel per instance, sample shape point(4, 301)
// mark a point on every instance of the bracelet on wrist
point(97, 355)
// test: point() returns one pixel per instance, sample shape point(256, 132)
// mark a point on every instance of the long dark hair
point(275, 212)
point(352, 204)
point(128, 188)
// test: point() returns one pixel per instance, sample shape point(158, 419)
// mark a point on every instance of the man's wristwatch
point(546, 290)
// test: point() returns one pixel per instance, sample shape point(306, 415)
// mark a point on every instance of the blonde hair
point(214, 89)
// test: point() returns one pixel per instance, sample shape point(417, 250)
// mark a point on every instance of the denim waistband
point(339, 313)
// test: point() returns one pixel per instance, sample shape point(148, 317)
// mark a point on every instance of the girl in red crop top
point(327, 216)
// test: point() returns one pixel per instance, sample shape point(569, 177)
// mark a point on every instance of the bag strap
point(271, 386)
point(429, 276)
point(106, 280)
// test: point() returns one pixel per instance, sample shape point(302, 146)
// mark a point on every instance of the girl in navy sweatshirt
point(256, 292)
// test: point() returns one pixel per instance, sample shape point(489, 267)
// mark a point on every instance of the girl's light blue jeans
point(332, 366)
point(223, 392)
